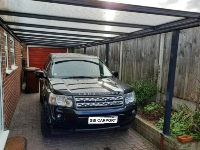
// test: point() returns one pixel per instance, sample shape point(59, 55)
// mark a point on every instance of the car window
point(74, 68)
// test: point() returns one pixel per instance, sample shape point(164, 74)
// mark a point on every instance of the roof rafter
point(55, 33)
point(22, 36)
point(63, 28)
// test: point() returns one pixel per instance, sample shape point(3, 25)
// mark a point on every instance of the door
point(38, 55)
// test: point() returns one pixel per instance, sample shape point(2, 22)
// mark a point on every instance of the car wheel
point(41, 99)
point(45, 129)
point(125, 128)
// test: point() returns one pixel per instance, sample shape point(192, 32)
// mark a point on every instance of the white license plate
point(102, 120)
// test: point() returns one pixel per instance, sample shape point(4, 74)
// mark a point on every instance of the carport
point(86, 23)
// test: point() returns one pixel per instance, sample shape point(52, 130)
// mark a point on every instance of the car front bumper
point(77, 120)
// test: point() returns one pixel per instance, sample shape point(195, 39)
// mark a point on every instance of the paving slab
point(26, 122)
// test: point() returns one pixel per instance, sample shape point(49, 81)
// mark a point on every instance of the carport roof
point(84, 23)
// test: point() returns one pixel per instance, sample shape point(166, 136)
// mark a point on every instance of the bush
point(145, 88)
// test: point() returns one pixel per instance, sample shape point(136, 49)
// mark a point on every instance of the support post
point(120, 60)
point(170, 84)
point(107, 53)
point(84, 50)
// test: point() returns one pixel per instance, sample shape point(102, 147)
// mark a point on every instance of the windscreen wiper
point(105, 76)
point(73, 77)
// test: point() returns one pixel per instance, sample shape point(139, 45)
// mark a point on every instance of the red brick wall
point(11, 82)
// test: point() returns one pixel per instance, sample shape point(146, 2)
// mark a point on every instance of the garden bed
point(151, 133)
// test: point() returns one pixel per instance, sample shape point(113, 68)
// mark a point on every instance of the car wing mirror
point(39, 74)
point(115, 73)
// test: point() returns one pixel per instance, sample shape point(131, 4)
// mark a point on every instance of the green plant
point(145, 88)
point(154, 107)
point(183, 122)
point(153, 111)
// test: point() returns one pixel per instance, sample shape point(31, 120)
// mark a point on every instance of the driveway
point(26, 122)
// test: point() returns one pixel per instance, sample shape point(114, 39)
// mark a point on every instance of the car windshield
point(79, 68)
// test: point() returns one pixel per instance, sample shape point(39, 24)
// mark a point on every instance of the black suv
point(78, 92)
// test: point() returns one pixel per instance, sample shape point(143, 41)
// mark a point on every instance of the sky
point(186, 5)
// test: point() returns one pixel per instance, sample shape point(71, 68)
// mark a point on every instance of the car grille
point(99, 102)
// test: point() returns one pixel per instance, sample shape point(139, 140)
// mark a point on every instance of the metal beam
point(21, 36)
point(170, 84)
point(55, 45)
point(189, 23)
point(125, 7)
point(78, 20)
point(56, 40)
point(63, 28)
point(84, 50)
point(107, 54)
point(55, 33)
point(7, 28)
point(50, 42)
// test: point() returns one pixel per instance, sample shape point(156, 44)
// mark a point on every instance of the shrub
point(145, 88)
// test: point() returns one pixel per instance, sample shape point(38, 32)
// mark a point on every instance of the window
point(12, 50)
point(75, 68)
point(6, 49)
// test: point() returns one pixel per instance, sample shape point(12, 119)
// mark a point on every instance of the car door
point(44, 83)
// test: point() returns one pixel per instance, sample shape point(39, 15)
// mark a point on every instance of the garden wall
point(153, 51)
point(151, 133)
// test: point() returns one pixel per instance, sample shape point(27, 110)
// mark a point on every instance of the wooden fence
point(154, 52)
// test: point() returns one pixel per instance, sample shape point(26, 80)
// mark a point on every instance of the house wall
point(12, 81)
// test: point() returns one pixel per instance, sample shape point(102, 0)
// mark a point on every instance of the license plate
point(102, 120)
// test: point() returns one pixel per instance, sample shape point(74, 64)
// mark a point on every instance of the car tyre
point(41, 99)
point(45, 129)
point(125, 128)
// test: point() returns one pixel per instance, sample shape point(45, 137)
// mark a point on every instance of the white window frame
point(3, 134)
point(12, 50)
point(6, 51)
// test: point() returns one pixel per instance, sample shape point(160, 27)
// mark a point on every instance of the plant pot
point(185, 138)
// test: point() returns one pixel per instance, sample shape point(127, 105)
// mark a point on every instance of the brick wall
point(11, 82)
point(151, 133)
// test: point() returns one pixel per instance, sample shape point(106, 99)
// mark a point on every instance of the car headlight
point(60, 100)
point(130, 98)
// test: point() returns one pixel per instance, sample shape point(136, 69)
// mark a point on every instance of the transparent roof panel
point(62, 31)
point(45, 8)
point(68, 24)
point(61, 36)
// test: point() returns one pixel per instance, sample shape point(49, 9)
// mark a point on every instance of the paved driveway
point(26, 122)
